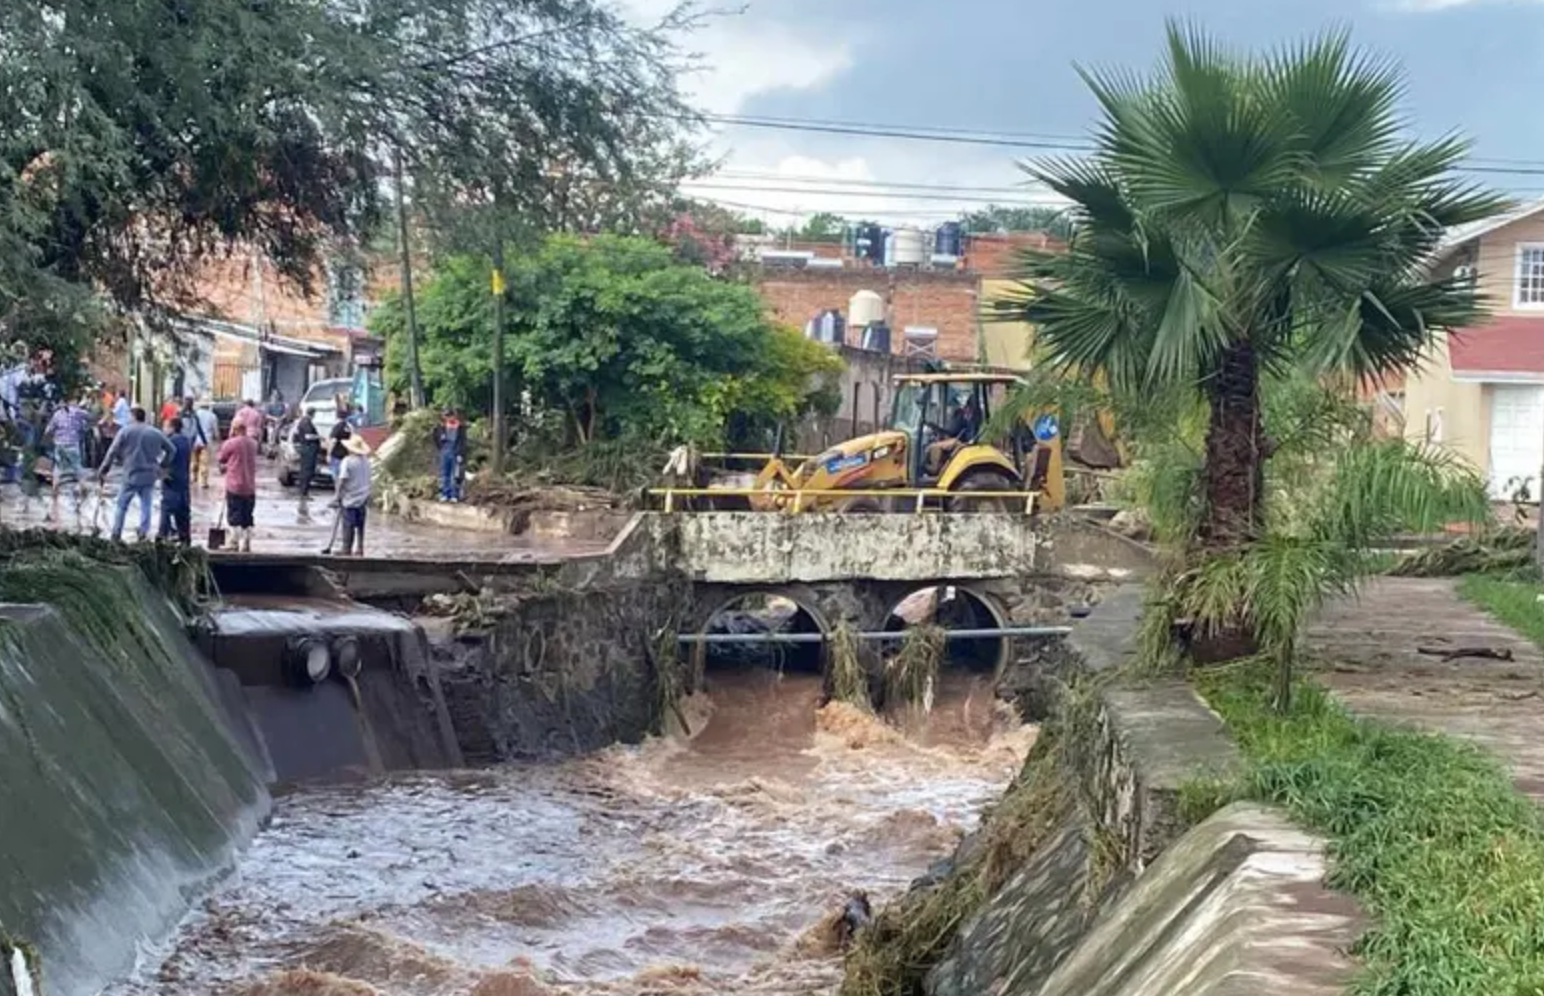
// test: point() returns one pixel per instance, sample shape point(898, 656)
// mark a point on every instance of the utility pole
point(499, 436)
point(415, 373)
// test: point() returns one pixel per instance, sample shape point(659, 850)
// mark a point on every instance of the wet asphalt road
point(284, 523)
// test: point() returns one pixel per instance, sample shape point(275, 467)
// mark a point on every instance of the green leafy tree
point(1001, 219)
point(612, 338)
point(823, 226)
point(137, 139)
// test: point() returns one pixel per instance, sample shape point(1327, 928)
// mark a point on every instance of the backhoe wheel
point(983, 482)
point(862, 505)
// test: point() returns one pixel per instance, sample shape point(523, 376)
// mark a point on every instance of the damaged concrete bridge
point(838, 568)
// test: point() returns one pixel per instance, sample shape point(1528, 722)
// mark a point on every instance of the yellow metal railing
point(795, 500)
point(759, 457)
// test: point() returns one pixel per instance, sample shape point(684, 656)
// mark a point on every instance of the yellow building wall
point(1431, 394)
point(1497, 263)
point(1003, 344)
point(1456, 413)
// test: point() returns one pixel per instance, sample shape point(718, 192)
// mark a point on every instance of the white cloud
point(783, 175)
point(745, 54)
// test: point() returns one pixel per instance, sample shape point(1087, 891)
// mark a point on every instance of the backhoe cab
point(935, 440)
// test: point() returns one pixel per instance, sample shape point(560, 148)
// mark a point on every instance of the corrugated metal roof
point(1459, 234)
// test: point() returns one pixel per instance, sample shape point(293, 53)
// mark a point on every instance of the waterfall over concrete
point(124, 789)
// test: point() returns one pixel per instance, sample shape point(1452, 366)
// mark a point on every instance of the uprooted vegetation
point(1500, 550)
point(537, 476)
point(912, 934)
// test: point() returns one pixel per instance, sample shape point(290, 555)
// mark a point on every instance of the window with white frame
point(1530, 276)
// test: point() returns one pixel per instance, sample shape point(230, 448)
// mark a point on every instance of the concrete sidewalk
point(284, 525)
point(1367, 651)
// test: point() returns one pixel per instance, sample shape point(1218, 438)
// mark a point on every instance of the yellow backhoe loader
point(936, 441)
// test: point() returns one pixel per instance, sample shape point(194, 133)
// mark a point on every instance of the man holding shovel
point(238, 460)
point(353, 499)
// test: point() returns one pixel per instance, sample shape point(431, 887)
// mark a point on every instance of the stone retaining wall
point(1124, 897)
point(564, 672)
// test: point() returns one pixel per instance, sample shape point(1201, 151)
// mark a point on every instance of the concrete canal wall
point(1120, 895)
point(127, 781)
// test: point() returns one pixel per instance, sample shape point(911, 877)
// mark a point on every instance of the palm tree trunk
point(1234, 488)
point(1235, 454)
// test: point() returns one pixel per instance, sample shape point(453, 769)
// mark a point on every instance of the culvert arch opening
point(954, 607)
point(758, 618)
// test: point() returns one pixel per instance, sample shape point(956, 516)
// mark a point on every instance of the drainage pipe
point(892, 635)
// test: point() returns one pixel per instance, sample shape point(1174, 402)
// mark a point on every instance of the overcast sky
point(1476, 66)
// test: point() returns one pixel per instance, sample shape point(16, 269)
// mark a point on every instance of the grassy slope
point(1513, 602)
point(1428, 833)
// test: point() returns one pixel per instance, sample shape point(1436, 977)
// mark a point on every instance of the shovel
point(337, 520)
point(217, 531)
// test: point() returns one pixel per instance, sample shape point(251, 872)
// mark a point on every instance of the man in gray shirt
point(353, 494)
point(142, 450)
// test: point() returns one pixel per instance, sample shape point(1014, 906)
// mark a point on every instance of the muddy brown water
point(701, 865)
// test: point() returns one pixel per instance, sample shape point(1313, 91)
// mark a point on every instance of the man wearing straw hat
point(353, 495)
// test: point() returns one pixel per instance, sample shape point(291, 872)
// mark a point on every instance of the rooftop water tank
point(827, 327)
point(876, 337)
point(869, 243)
point(865, 308)
point(949, 239)
point(908, 248)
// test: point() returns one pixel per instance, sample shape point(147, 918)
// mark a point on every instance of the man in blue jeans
point(176, 495)
point(450, 441)
point(142, 449)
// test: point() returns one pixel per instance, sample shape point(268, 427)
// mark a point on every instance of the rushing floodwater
point(700, 866)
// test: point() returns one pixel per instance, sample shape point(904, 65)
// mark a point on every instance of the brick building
point(932, 311)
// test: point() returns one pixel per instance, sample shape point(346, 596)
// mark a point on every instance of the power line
point(732, 174)
point(701, 186)
point(929, 133)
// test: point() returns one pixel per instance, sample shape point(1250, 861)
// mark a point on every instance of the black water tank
point(949, 239)
point(870, 244)
point(876, 337)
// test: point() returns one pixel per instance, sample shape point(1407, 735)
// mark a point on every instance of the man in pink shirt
point(250, 416)
point(238, 461)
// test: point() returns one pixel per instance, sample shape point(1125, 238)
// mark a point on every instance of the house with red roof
point(1480, 393)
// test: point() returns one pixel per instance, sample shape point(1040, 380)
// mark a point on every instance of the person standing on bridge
point(141, 449)
point(353, 498)
point(308, 442)
point(450, 442)
point(206, 439)
point(69, 427)
point(238, 460)
point(176, 486)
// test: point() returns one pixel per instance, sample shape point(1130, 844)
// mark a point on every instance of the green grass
point(1428, 833)
point(1513, 602)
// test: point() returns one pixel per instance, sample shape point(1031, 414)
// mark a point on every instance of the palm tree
point(1241, 217)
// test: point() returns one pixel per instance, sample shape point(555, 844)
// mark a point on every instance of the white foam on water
point(21, 973)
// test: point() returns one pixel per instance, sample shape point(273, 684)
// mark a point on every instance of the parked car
point(320, 396)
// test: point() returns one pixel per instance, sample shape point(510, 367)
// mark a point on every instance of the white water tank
point(909, 247)
point(865, 308)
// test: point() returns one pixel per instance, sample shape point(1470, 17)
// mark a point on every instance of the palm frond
point(1271, 199)
point(1380, 488)
point(1342, 105)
